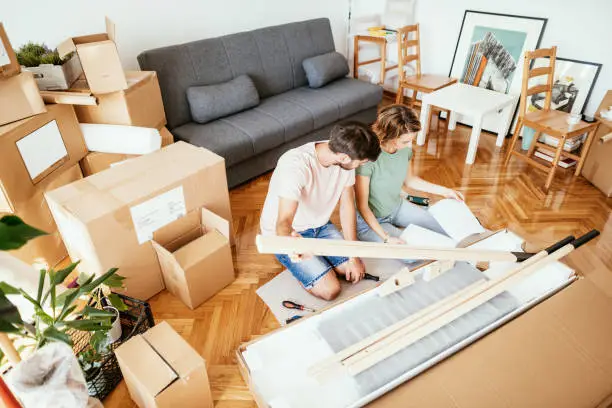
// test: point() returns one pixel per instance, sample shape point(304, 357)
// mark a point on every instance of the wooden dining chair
point(409, 49)
point(384, 66)
point(550, 122)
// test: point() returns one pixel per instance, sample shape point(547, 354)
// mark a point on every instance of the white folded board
point(120, 139)
point(42, 148)
point(456, 219)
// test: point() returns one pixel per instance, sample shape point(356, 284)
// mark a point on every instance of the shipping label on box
point(157, 212)
point(42, 150)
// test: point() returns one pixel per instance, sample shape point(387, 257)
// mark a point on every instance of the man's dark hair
point(354, 139)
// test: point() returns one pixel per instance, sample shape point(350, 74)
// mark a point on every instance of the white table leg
point(452, 121)
point(425, 110)
point(471, 154)
point(504, 125)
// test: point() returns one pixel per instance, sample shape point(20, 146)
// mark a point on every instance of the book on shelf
point(564, 162)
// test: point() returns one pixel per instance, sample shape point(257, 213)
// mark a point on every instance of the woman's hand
point(454, 194)
point(395, 240)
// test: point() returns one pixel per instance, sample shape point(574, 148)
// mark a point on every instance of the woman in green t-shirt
point(383, 212)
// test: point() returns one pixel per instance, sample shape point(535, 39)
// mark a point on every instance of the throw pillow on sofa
point(210, 102)
point(323, 69)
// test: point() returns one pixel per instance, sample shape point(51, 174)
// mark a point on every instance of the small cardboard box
point(197, 262)
point(139, 105)
point(51, 77)
point(162, 370)
point(598, 166)
point(34, 151)
point(8, 60)
point(96, 162)
point(108, 219)
point(99, 59)
point(19, 98)
point(48, 249)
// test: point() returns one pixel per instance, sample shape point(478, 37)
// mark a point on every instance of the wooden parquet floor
point(510, 197)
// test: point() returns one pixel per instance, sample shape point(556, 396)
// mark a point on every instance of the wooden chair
point(424, 83)
point(551, 122)
point(380, 41)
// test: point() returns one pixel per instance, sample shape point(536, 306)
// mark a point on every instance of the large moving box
point(138, 105)
point(162, 370)
point(99, 59)
point(598, 166)
point(195, 256)
point(108, 219)
point(8, 60)
point(19, 98)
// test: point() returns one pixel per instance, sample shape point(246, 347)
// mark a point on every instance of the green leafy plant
point(55, 315)
point(32, 55)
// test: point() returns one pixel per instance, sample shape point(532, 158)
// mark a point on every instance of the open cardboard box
point(19, 98)
point(552, 352)
point(598, 166)
point(99, 59)
point(161, 369)
point(51, 77)
point(139, 105)
point(8, 60)
point(195, 256)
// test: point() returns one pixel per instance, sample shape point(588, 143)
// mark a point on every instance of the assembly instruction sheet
point(158, 212)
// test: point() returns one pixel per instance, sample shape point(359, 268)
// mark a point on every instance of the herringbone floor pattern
point(510, 197)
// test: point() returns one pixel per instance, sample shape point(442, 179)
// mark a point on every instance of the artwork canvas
point(572, 85)
point(489, 54)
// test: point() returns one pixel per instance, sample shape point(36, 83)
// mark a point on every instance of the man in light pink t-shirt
point(305, 188)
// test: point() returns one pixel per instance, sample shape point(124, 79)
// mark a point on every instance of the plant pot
point(114, 333)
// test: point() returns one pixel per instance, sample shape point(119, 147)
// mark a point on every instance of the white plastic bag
point(51, 377)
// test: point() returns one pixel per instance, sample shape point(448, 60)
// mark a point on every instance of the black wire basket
point(135, 320)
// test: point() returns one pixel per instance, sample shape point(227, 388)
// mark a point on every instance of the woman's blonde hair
point(395, 120)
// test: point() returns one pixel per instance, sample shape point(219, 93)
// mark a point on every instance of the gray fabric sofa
point(289, 114)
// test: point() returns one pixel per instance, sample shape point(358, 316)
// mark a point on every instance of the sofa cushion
point(351, 95)
point(323, 69)
point(210, 102)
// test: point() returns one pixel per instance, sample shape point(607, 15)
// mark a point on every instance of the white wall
point(580, 29)
point(146, 24)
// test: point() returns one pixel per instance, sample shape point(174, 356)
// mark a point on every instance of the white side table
point(469, 101)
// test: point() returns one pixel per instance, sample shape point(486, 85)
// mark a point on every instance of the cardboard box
point(196, 262)
point(556, 354)
point(161, 370)
point(108, 219)
point(96, 162)
point(598, 166)
point(51, 77)
point(99, 59)
point(139, 105)
point(48, 249)
point(8, 60)
point(34, 151)
point(19, 98)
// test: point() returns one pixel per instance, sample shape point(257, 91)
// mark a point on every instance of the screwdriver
point(292, 319)
point(292, 305)
point(366, 276)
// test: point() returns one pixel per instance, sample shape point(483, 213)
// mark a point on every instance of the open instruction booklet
point(454, 217)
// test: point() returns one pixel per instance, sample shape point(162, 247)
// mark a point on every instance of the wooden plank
point(271, 244)
point(537, 89)
point(413, 332)
point(69, 98)
point(7, 347)
point(540, 71)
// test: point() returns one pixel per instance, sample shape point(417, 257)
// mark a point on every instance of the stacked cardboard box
point(109, 219)
point(19, 96)
point(39, 154)
point(597, 165)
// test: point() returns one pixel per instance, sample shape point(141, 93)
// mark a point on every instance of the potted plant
point(50, 70)
point(56, 315)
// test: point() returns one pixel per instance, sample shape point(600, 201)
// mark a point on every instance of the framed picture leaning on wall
point(489, 54)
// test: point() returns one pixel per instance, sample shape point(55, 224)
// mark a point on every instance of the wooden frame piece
point(69, 98)
point(382, 42)
point(272, 244)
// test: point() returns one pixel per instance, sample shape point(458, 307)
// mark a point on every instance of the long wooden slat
point(540, 71)
point(324, 368)
point(68, 98)
point(7, 347)
point(446, 314)
point(368, 62)
point(327, 247)
point(606, 138)
point(537, 89)
point(531, 161)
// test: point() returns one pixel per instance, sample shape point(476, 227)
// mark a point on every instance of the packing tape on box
point(120, 139)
